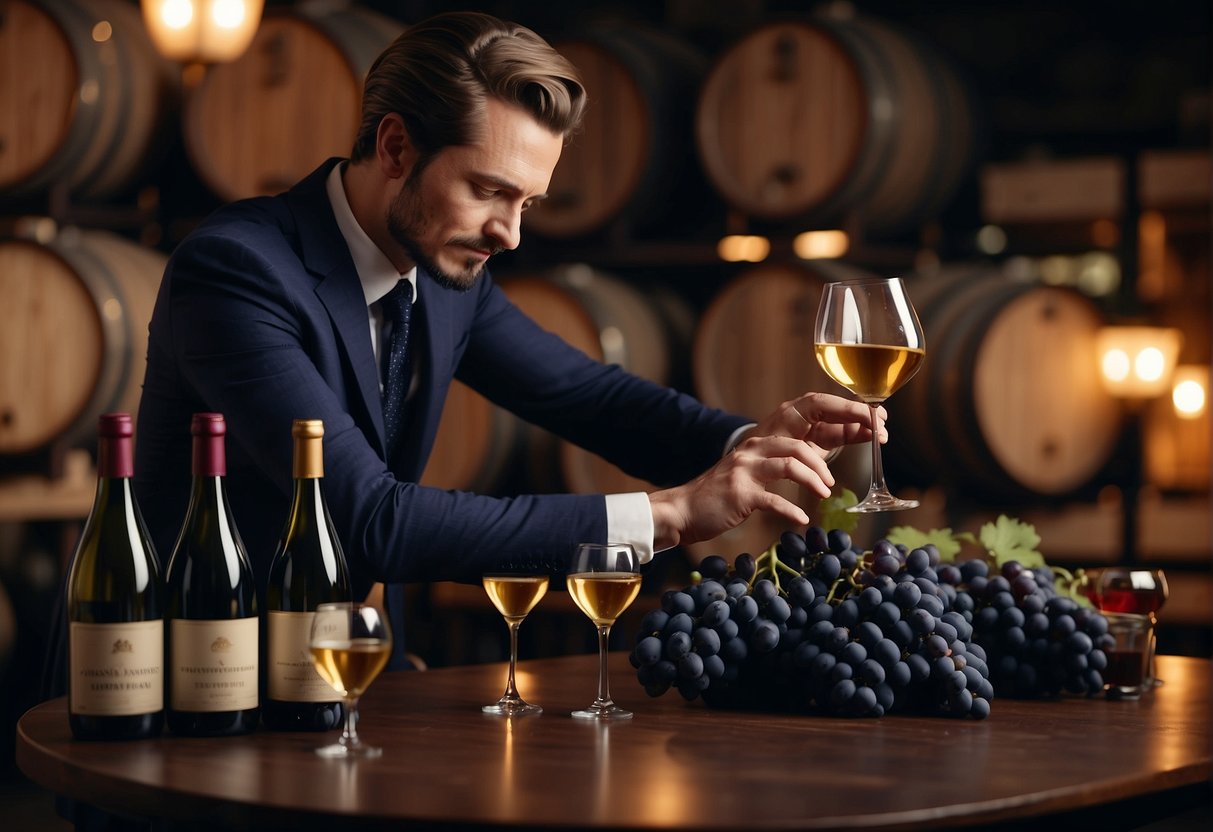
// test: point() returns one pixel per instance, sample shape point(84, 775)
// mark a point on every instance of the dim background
point(1066, 104)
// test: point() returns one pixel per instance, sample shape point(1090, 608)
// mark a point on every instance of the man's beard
point(406, 217)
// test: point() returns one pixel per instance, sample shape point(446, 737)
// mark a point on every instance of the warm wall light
point(202, 31)
point(1137, 361)
point(749, 248)
point(1190, 390)
point(820, 245)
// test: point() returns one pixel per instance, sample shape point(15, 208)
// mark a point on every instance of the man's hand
point(823, 420)
point(792, 443)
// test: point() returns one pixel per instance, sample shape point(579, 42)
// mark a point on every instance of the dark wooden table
point(675, 766)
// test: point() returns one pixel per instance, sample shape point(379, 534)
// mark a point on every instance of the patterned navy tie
point(397, 308)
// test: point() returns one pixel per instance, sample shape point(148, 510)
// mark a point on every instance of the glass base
point(512, 707)
point(881, 502)
point(600, 710)
point(337, 751)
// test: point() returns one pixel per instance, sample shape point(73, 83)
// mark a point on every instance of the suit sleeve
point(650, 431)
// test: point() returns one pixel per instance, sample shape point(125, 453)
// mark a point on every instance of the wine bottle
point(115, 595)
point(212, 655)
point(308, 569)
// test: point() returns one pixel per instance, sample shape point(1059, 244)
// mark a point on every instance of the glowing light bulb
point(228, 14)
point(177, 14)
point(1116, 365)
point(1149, 364)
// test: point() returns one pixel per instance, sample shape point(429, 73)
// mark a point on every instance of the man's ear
point(394, 148)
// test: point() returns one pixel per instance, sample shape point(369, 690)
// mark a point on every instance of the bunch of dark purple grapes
point(1040, 642)
point(814, 624)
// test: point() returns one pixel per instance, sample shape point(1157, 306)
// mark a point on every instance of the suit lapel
point(324, 253)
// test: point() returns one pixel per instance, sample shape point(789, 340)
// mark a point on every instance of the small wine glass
point(514, 596)
point(603, 580)
point(1134, 590)
point(350, 643)
point(869, 340)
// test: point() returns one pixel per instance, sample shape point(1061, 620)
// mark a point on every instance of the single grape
point(838, 540)
point(714, 567)
point(648, 650)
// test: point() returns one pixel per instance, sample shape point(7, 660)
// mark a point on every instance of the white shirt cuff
point(735, 437)
point(630, 520)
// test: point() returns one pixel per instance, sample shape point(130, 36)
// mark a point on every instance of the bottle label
point(214, 665)
point(116, 669)
point(291, 674)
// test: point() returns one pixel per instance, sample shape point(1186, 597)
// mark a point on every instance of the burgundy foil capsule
point(209, 459)
point(115, 457)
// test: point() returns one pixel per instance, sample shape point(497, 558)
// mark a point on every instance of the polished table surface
point(676, 765)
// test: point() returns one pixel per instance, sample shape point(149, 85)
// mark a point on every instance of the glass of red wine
point(1134, 590)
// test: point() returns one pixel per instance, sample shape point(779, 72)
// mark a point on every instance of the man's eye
point(483, 192)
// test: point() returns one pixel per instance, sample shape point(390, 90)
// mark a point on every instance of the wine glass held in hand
point(869, 340)
point(350, 643)
point(514, 595)
point(603, 580)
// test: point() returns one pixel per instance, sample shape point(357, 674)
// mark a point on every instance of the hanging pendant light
point(202, 31)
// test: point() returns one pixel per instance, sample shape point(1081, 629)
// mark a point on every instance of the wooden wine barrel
point(73, 342)
point(260, 123)
point(813, 118)
point(83, 95)
point(1008, 403)
point(630, 156)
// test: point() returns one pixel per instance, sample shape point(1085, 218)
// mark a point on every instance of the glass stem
point(511, 691)
point(878, 485)
point(349, 734)
point(604, 693)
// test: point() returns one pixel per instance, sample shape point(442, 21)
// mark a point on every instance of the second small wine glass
point(514, 596)
point(603, 580)
point(1120, 589)
point(350, 643)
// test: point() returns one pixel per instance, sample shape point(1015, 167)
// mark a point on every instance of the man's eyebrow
point(507, 185)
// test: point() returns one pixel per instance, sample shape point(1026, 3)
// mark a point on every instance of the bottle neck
point(308, 497)
point(115, 459)
point(308, 460)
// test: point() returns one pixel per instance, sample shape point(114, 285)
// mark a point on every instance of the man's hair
point(438, 74)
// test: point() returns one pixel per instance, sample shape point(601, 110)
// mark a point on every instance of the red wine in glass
point(1139, 591)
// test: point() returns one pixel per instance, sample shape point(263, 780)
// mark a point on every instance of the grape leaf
point(834, 514)
point(1009, 539)
point(945, 541)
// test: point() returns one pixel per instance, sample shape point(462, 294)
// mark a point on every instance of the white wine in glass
point(514, 596)
point(869, 340)
point(603, 581)
point(350, 643)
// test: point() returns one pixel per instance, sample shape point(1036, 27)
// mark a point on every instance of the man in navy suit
point(272, 310)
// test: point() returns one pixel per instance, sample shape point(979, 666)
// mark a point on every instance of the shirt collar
point(376, 273)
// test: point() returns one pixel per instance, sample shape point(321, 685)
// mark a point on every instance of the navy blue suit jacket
point(261, 317)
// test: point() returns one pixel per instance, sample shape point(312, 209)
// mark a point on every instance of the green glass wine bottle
point(308, 569)
point(212, 633)
point(115, 593)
